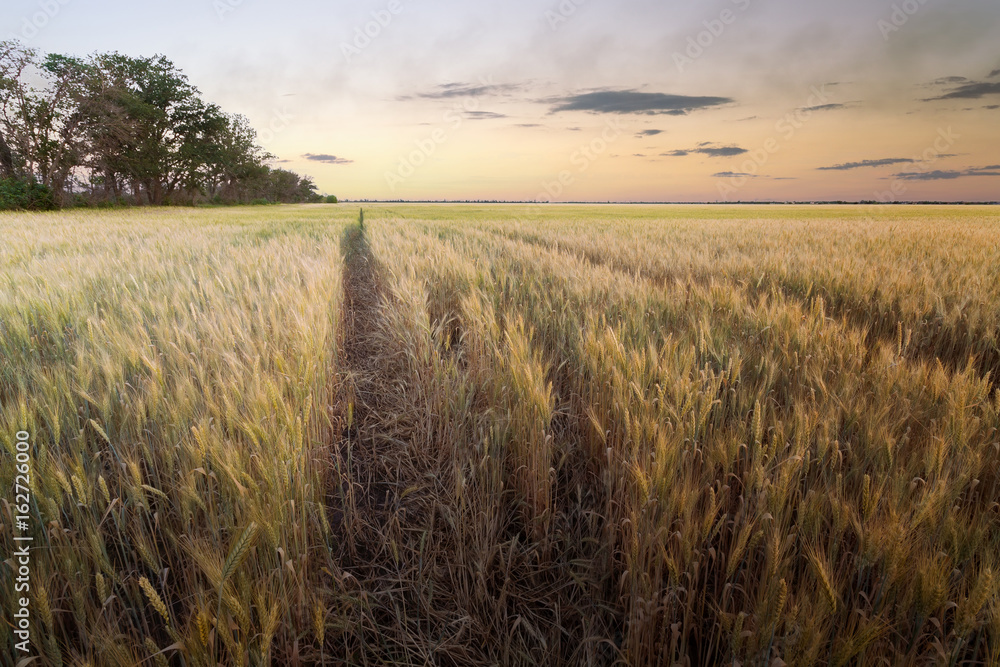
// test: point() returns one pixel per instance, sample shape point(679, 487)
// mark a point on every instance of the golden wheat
point(497, 435)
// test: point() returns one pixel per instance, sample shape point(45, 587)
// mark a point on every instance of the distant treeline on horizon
point(675, 203)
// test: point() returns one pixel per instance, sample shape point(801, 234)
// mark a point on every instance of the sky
point(584, 100)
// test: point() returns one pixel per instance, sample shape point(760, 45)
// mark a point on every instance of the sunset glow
point(731, 100)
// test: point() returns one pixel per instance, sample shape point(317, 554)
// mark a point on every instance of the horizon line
point(807, 202)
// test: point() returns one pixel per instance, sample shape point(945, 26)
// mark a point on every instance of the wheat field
point(501, 435)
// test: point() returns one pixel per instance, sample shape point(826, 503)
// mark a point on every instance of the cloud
point(710, 149)
point(947, 80)
point(973, 90)
point(721, 151)
point(634, 102)
point(483, 115)
point(994, 73)
point(940, 175)
point(936, 175)
point(451, 90)
point(648, 133)
point(327, 159)
point(528, 125)
point(733, 174)
point(825, 107)
point(868, 163)
point(992, 106)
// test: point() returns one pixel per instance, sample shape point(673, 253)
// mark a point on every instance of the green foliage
point(331, 199)
point(132, 128)
point(25, 194)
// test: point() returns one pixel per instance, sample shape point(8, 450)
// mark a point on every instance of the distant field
point(473, 435)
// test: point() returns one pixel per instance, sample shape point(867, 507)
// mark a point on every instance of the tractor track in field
point(372, 444)
point(380, 504)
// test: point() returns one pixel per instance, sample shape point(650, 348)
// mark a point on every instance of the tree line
point(115, 129)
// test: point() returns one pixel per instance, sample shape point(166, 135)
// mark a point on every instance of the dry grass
point(465, 435)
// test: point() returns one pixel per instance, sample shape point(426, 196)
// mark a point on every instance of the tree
point(14, 61)
point(130, 129)
point(6, 158)
point(239, 162)
point(61, 143)
point(42, 124)
point(139, 111)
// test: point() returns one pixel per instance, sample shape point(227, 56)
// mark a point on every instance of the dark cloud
point(936, 175)
point(721, 151)
point(483, 115)
point(974, 90)
point(634, 102)
point(950, 175)
point(528, 125)
point(451, 90)
point(992, 106)
point(710, 149)
point(868, 163)
point(733, 174)
point(327, 159)
point(948, 80)
point(994, 73)
point(649, 133)
point(825, 107)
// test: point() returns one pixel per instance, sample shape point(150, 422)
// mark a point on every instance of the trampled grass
point(500, 435)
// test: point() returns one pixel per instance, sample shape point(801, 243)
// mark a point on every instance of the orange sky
point(586, 99)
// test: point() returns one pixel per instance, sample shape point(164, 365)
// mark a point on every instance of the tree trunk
point(6, 159)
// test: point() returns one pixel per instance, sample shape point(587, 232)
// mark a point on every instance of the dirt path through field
point(381, 499)
point(367, 499)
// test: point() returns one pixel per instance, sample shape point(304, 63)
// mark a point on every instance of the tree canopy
point(121, 129)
